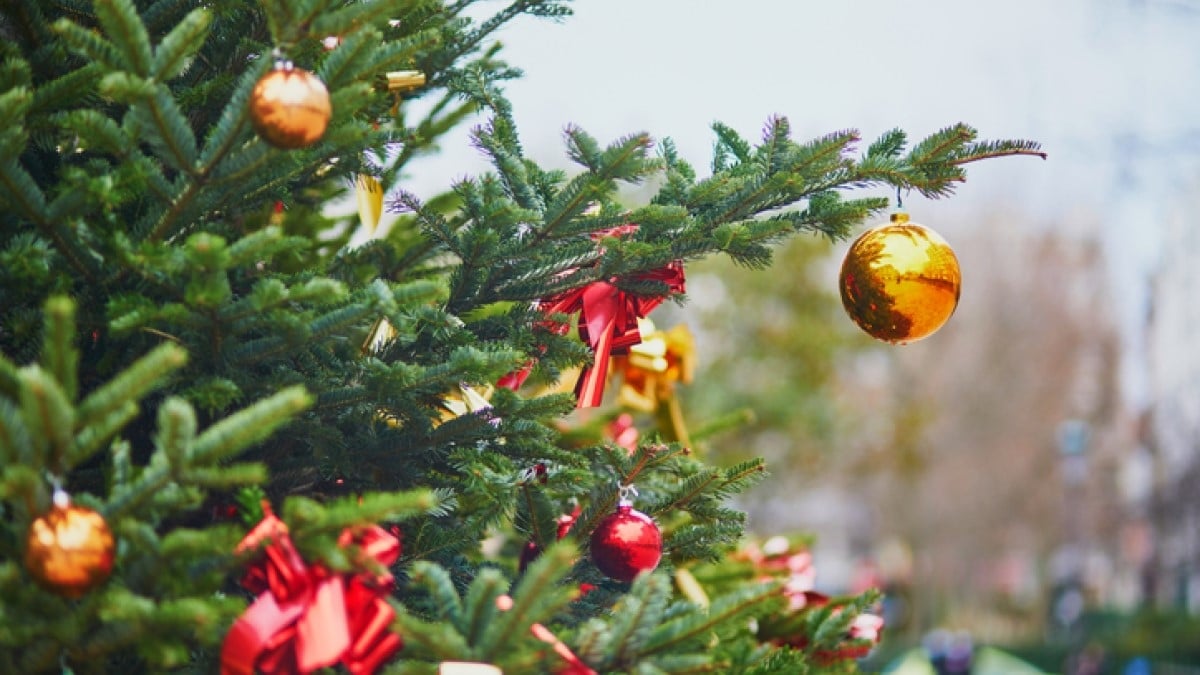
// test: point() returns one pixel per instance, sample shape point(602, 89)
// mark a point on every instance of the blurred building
point(1166, 472)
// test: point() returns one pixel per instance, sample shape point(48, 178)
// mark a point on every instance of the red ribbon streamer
point(574, 666)
point(607, 322)
point(307, 618)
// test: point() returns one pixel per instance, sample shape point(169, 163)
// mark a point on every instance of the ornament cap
point(405, 80)
point(625, 495)
point(899, 217)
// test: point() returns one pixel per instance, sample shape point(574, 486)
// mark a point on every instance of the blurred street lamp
point(1073, 436)
point(1068, 599)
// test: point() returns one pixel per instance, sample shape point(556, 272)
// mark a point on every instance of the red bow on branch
point(306, 617)
point(607, 322)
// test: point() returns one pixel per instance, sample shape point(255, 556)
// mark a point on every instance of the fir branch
point(537, 596)
point(88, 43)
point(636, 617)
point(974, 152)
point(479, 606)
point(227, 130)
point(174, 134)
point(730, 142)
point(348, 20)
point(226, 477)
point(311, 519)
point(143, 376)
point(24, 194)
point(724, 610)
point(92, 437)
point(346, 62)
point(126, 32)
point(184, 40)
point(9, 383)
point(16, 443)
point(692, 488)
point(60, 357)
point(48, 413)
point(624, 159)
point(14, 106)
point(438, 640)
point(889, 145)
point(772, 152)
point(176, 431)
point(436, 580)
point(248, 426)
point(548, 7)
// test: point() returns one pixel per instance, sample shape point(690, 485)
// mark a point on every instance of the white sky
point(1110, 87)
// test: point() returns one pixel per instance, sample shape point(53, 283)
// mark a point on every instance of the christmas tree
point(232, 442)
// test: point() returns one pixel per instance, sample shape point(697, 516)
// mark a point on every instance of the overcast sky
point(1110, 87)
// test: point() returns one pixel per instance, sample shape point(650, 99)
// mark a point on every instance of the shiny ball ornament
point(290, 107)
point(70, 549)
point(900, 281)
point(625, 544)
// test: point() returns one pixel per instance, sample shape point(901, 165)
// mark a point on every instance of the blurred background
point(1027, 476)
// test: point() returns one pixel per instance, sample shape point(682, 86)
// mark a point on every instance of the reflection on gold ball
point(900, 281)
point(290, 108)
point(69, 550)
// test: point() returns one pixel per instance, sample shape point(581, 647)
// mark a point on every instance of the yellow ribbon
point(651, 370)
point(461, 400)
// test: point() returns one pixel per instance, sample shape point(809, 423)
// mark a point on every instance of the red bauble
point(625, 544)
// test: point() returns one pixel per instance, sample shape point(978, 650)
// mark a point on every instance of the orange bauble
point(290, 107)
point(70, 549)
point(900, 281)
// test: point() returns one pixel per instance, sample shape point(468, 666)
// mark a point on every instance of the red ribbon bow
point(307, 618)
point(607, 322)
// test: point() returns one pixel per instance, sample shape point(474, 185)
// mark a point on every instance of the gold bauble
point(900, 281)
point(290, 107)
point(70, 549)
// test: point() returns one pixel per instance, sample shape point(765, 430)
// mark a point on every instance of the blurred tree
point(771, 345)
point(1033, 344)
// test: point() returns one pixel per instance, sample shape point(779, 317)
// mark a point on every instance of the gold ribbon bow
point(650, 372)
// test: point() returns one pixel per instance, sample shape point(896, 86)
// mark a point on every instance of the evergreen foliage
point(182, 329)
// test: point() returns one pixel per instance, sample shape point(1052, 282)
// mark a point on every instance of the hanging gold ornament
point(382, 331)
point(368, 192)
point(900, 281)
point(290, 107)
point(69, 550)
point(463, 400)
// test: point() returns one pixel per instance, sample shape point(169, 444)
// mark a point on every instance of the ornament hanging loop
point(626, 494)
point(282, 62)
point(899, 200)
point(58, 495)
